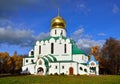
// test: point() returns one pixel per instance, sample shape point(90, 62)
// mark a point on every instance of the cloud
point(82, 7)
point(14, 36)
point(115, 9)
point(79, 31)
point(85, 41)
point(42, 35)
point(101, 34)
point(11, 35)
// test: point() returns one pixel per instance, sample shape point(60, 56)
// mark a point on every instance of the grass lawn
point(34, 79)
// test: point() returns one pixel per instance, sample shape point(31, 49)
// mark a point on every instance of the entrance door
point(40, 71)
point(71, 71)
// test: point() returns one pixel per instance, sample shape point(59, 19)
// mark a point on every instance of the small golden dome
point(58, 22)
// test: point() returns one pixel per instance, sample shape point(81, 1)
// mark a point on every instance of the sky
point(88, 22)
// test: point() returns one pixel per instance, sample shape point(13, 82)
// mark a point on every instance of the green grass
point(33, 79)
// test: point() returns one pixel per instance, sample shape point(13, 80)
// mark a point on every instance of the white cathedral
point(58, 54)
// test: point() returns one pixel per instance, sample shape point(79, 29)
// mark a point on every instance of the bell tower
point(58, 26)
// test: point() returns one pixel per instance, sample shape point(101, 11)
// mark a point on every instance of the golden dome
point(58, 22)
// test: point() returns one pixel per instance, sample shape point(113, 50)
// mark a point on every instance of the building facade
point(58, 54)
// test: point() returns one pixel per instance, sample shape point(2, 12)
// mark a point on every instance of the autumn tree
point(111, 56)
point(95, 50)
point(5, 62)
point(16, 62)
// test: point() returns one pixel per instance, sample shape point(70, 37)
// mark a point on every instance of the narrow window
point(39, 49)
point(61, 32)
point(52, 48)
point(62, 67)
point(65, 50)
point(32, 52)
point(55, 67)
point(32, 60)
point(55, 32)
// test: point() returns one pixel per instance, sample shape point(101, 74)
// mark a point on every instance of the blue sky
point(89, 22)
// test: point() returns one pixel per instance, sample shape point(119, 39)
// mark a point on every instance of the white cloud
point(101, 34)
point(42, 35)
point(14, 36)
point(20, 37)
point(88, 43)
point(82, 7)
point(115, 8)
point(79, 31)
point(85, 42)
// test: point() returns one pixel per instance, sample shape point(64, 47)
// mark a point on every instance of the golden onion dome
point(58, 22)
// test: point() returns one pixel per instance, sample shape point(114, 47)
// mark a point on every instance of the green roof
point(53, 57)
point(76, 50)
point(84, 64)
point(46, 62)
point(30, 56)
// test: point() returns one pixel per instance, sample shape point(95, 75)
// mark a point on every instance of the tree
point(5, 62)
point(16, 62)
point(111, 56)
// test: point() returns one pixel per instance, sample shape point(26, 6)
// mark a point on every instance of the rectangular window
point(32, 60)
point(39, 49)
point(55, 67)
point(65, 50)
point(61, 32)
point(55, 32)
point(62, 67)
point(52, 48)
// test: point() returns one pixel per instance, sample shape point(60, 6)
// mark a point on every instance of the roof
point(29, 57)
point(92, 58)
point(76, 50)
point(84, 64)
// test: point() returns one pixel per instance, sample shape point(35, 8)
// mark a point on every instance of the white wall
point(58, 48)
point(60, 70)
point(80, 58)
point(29, 61)
point(30, 68)
point(82, 72)
point(58, 32)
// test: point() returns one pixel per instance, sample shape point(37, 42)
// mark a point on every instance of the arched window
point(65, 49)
point(39, 49)
point(52, 48)
point(40, 62)
point(32, 52)
point(85, 70)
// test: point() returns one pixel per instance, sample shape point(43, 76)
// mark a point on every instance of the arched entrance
point(40, 71)
point(93, 70)
point(71, 71)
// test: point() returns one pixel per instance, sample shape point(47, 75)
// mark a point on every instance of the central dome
point(58, 22)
